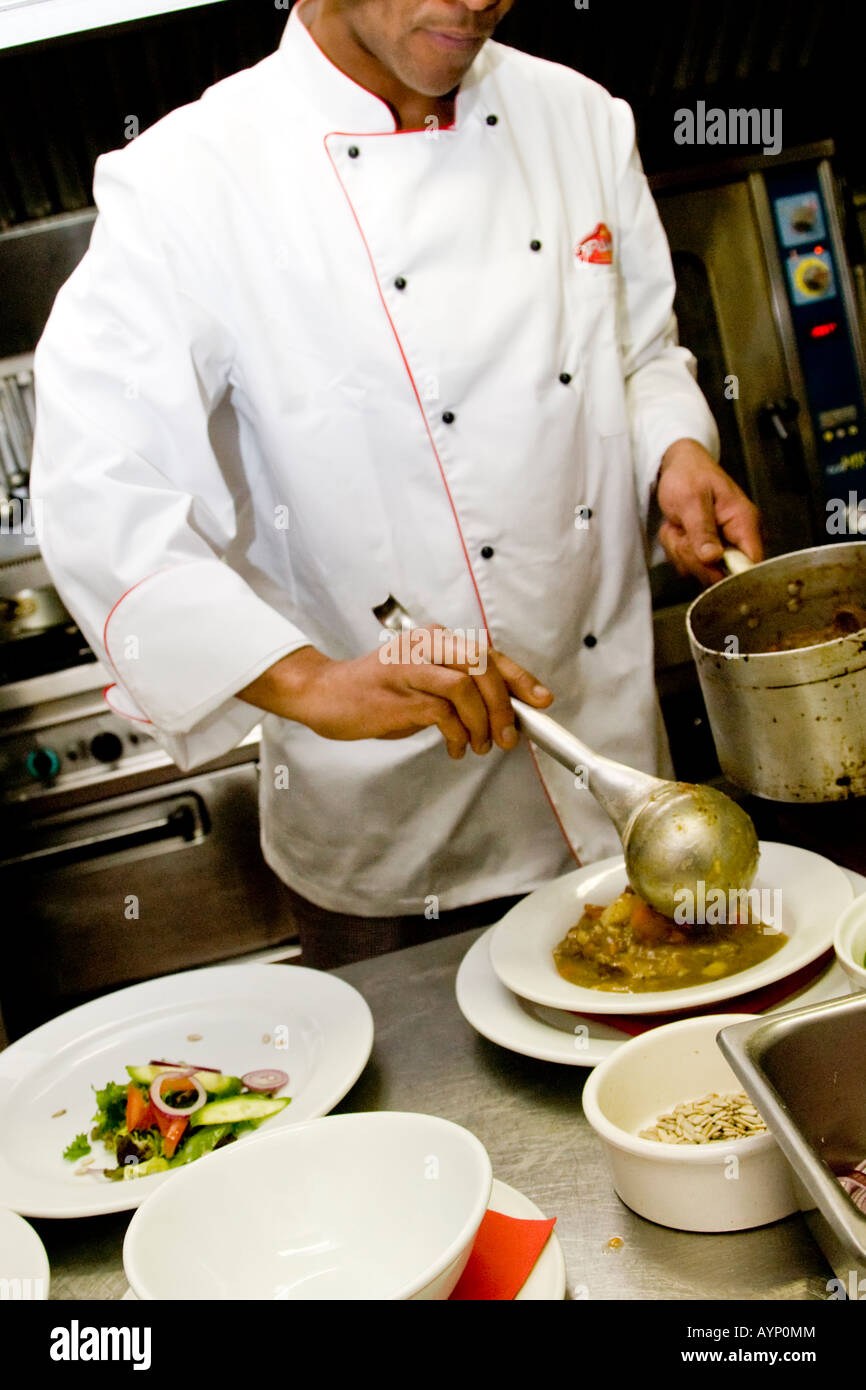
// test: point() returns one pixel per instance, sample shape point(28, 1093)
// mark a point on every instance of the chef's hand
point(704, 511)
point(388, 694)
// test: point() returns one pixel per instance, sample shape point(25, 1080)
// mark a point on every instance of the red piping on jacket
point(122, 712)
point(111, 614)
point(417, 396)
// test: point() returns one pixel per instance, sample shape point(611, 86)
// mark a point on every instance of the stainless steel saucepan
point(780, 649)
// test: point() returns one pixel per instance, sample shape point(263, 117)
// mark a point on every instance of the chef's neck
point(338, 41)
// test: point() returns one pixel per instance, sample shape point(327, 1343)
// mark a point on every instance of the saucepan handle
point(735, 562)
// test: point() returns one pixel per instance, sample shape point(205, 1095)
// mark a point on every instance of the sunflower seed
point(712, 1118)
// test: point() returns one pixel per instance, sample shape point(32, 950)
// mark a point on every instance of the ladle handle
point(618, 789)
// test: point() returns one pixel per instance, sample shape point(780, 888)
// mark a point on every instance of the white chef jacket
point(310, 361)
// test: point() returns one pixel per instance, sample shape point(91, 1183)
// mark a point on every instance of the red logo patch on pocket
point(597, 248)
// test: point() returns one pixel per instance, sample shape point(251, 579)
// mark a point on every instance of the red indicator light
point(819, 250)
point(823, 330)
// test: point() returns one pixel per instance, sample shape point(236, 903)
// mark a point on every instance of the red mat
point(504, 1255)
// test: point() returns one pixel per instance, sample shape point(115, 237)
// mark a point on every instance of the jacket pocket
point(593, 292)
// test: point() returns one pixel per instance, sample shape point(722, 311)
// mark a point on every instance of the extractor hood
point(29, 21)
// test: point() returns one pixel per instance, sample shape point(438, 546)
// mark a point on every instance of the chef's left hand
point(704, 511)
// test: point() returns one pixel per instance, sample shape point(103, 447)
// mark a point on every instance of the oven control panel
point(72, 752)
point(812, 257)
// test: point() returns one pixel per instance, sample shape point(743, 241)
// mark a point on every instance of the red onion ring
point(177, 1112)
point(265, 1079)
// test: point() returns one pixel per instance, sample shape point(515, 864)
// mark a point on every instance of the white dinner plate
point(318, 1029)
point(552, 1035)
point(547, 1279)
point(24, 1272)
point(813, 893)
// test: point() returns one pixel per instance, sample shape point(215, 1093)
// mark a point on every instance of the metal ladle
point(675, 835)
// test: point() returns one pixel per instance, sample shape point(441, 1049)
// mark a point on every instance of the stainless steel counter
point(529, 1116)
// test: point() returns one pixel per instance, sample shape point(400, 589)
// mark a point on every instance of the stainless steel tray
point(806, 1072)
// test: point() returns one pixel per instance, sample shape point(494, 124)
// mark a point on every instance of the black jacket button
point(449, 417)
point(354, 151)
point(535, 245)
point(565, 378)
point(400, 283)
point(487, 552)
point(589, 640)
point(492, 120)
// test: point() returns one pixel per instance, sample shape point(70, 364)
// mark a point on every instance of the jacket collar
point(340, 102)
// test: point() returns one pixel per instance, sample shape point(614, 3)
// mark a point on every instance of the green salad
point(171, 1113)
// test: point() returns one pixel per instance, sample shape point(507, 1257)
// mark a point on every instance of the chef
point(388, 313)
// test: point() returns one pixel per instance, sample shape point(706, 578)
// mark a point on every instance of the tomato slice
point(172, 1128)
point(139, 1112)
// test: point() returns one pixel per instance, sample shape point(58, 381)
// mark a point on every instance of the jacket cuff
point(182, 641)
point(666, 405)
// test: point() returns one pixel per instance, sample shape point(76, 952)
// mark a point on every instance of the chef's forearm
point(281, 688)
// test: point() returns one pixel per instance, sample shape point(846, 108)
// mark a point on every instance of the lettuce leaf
point(79, 1148)
point(111, 1111)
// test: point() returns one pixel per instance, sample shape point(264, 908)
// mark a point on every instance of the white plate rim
point(22, 1250)
point(497, 1015)
point(559, 994)
point(194, 986)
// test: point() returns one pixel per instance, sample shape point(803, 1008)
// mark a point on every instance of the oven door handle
point(183, 822)
point(777, 420)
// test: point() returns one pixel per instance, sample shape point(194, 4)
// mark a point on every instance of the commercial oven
point(115, 866)
point(767, 301)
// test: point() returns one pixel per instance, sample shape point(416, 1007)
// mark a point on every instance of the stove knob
point(106, 748)
point(43, 764)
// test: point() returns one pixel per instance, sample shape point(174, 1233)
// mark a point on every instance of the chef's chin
point(434, 66)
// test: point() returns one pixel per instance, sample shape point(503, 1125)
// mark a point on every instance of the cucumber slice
point(142, 1076)
point(236, 1108)
point(213, 1081)
point(201, 1143)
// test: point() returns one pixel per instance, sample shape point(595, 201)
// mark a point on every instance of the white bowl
point(850, 942)
point(721, 1186)
point(380, 1205)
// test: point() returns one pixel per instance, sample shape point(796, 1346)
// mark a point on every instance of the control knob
point(43, 764)
point(813, 276)
point(106, 747)
point(804, 217)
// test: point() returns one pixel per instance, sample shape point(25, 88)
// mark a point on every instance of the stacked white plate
point(509, 989)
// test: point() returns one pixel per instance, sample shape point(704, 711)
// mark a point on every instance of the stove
point(115, 865)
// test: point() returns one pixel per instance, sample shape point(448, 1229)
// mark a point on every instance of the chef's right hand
point(390, 694)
